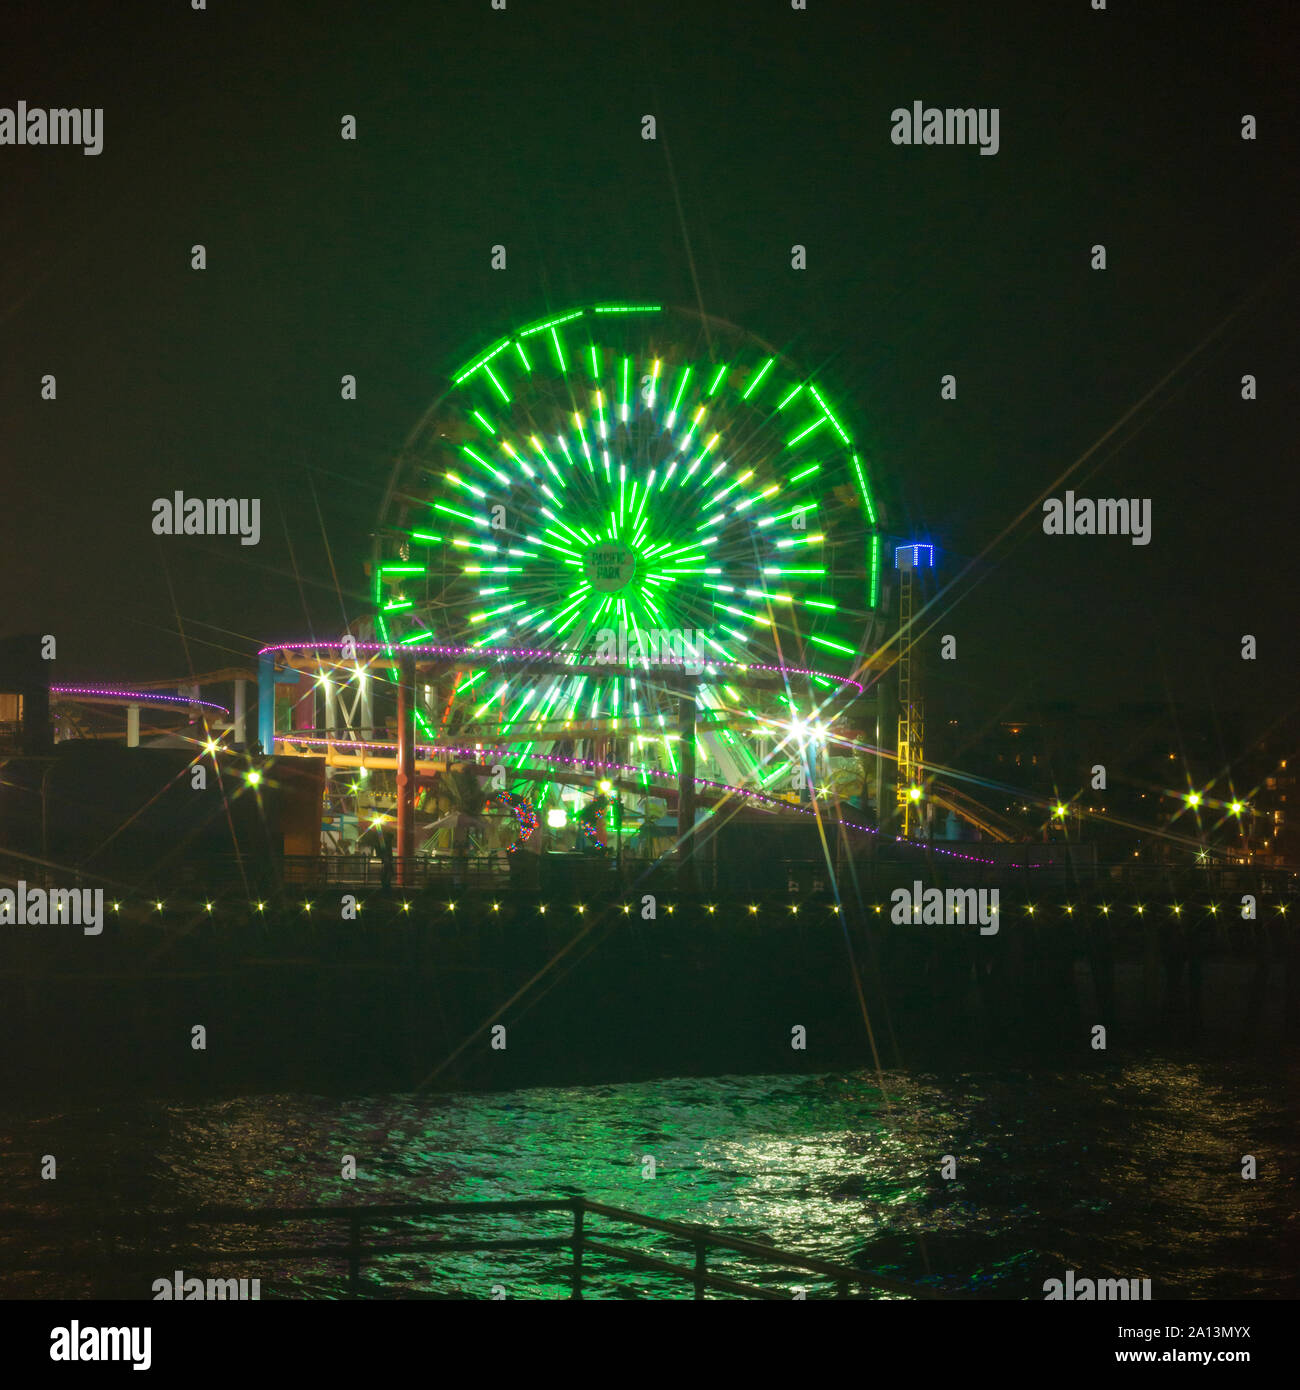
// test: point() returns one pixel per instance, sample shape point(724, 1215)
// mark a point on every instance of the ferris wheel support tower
point(908, 559)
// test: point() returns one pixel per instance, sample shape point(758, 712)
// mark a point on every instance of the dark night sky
point(523, 127)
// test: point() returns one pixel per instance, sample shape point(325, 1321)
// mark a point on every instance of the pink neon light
point(134, 695)
point(533, 654)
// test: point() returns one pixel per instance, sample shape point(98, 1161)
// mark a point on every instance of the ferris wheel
point(641, 488)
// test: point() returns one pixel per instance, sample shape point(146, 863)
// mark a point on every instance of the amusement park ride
point(629, 573)
point(628, 545)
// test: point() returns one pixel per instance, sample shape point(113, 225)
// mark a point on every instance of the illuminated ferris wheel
point(644, 489)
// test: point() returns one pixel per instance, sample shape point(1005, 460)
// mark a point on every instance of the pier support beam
point(331, 705)
point(240, 731)
point(266, 702)
point(133, 726)
point(366, 729)
point(303, 718)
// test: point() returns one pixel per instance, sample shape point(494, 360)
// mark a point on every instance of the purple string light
point(133, 695)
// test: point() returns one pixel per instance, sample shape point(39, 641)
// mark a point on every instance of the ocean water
point(1132, 1170)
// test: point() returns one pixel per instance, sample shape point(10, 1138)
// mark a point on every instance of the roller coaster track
point(996, 827)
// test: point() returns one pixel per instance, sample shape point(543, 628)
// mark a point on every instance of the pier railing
point(354, 1237)
point(606, 875)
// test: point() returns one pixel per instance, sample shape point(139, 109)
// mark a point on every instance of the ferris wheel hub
point(610, 567)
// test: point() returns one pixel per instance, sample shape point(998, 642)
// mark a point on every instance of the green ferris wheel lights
point(832, 646)
point(547, 325)
point(756, 380)
point(683, 381)
point(456, 481)
point(710, 444)
point(830, 414)
point(582, 436)
point(491, 699)
point(493, 612)
point(805, 432)
point(459, 515)
point(523, 463)
point(560, 358)
point(769, 597)
point(478, 458)
point(494, 351)
point(863, 490)
point(718, 496)
point(540, 450)
point(513, 718)
point(496, 383)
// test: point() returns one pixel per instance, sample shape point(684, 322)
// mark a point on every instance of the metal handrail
point(702, 1238)
point(355, 1249)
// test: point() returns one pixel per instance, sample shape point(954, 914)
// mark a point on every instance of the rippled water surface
point(1130, 1172)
